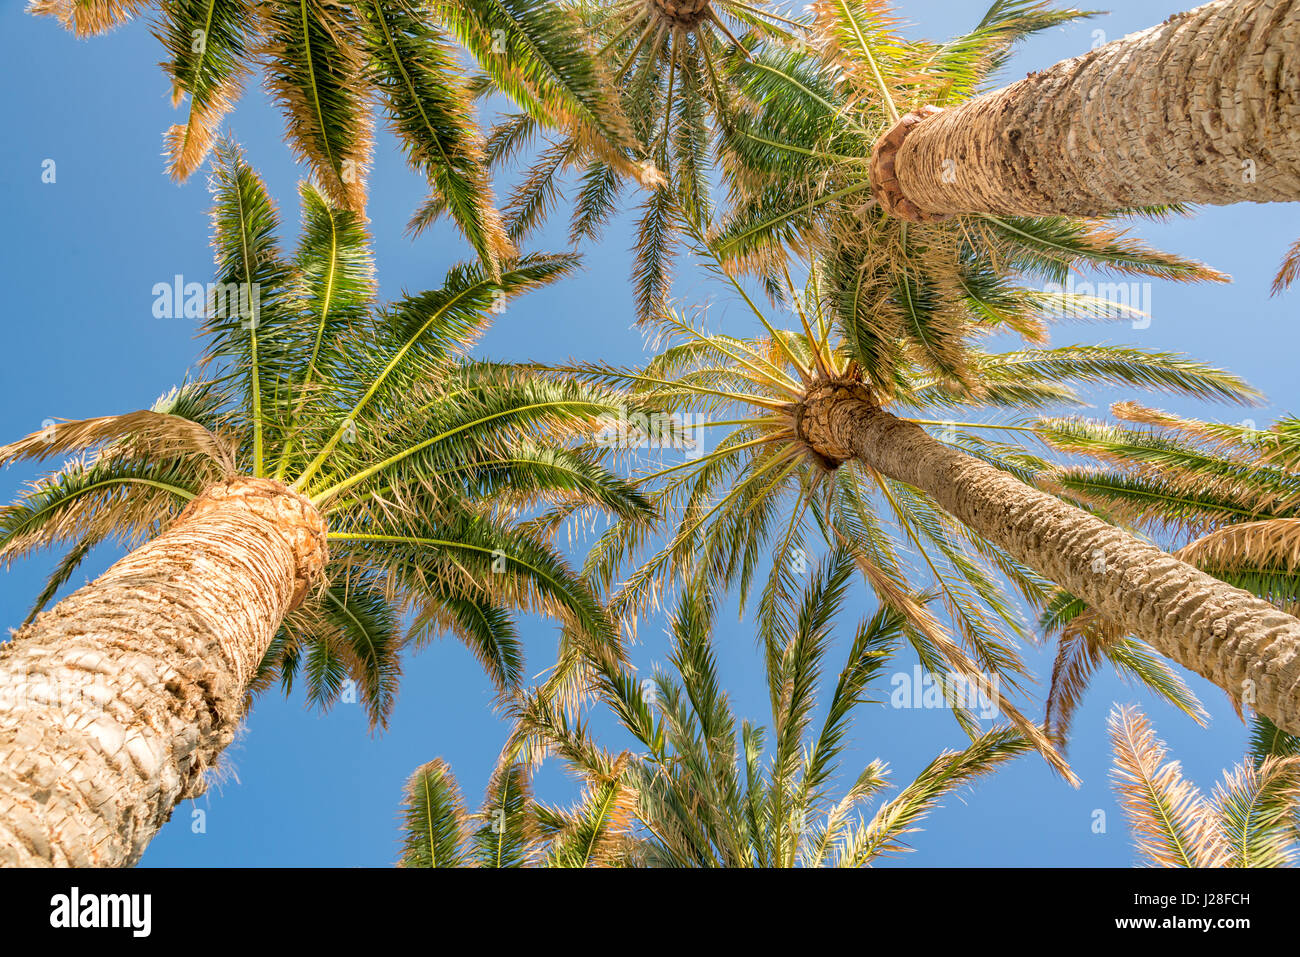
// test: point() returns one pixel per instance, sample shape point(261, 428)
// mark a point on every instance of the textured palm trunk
point(115, 702)
point(1204, 108)
point(686, 14)
point(1239, 642)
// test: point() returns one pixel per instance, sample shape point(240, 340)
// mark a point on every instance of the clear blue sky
point(79, 258)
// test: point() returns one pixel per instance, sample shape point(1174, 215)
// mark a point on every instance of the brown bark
point(115, 702)
point(686, 14)
point(1204, 108)
point(1238, 641)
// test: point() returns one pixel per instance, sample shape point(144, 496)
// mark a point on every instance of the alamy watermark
point(1089, 300)
point(653, 430)
point(919, 688)
point(179, 299)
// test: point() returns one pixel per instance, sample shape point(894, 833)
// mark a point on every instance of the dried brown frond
point(1079, 652)
point(88, 17)
point(607, 841)
point(142, 434)
point(892, 592)
point(842, 49)
point(187, 145)
point(1290, 270)
point(1272, 542)
point(1172, 822)
point(1207, 434)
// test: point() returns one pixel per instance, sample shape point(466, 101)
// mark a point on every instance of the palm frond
point(88, 17)
point(1172, 823)
point(208, 43)
point(435, 820)
point(429, 107)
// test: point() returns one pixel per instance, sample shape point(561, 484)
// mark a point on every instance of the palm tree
point(824, 154)
point(675, 65)
point(705, 793)
point(1250, 821)
point(1232, 489)
point(345, 466)
point(326, 62)
point(903, 293)
point(1203, 108)
point(814, 429)
point(516, 830)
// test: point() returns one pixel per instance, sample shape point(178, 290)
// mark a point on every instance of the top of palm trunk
point(293, 514)
point(885, 186)
point(687, 14)
point(816, 421)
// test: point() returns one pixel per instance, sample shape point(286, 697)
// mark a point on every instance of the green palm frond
point(539, 56)
point(505, 837)
point(435, 819)
point(596, 832)
point(428, 105)
point(128, 499)
point(314, 73)
point(1267, 740)
point(1256, 806)
point(969, 60)
point(362, 632)
point(329, 65)
point(896, 818)
point(512, 829)
point(705, 791)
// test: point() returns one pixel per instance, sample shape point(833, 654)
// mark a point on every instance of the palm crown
point(423, 462)
point(762, 490)
point(905, 293)
point(704, 792)
point(673, 64)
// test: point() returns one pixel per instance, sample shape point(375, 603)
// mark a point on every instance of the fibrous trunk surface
point(1204, 108)
point(115, 702)
point(1241, 643)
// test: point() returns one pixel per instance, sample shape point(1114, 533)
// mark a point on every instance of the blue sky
point(80, 257)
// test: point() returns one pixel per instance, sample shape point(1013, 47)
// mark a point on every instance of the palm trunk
point(1238, 641)
point(115, 702)
point(1204, 108)
point(682, 13)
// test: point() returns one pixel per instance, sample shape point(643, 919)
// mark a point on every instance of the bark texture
point(115, 702)
point(1238, 641)
point(1204, 108)
point(686, 14)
